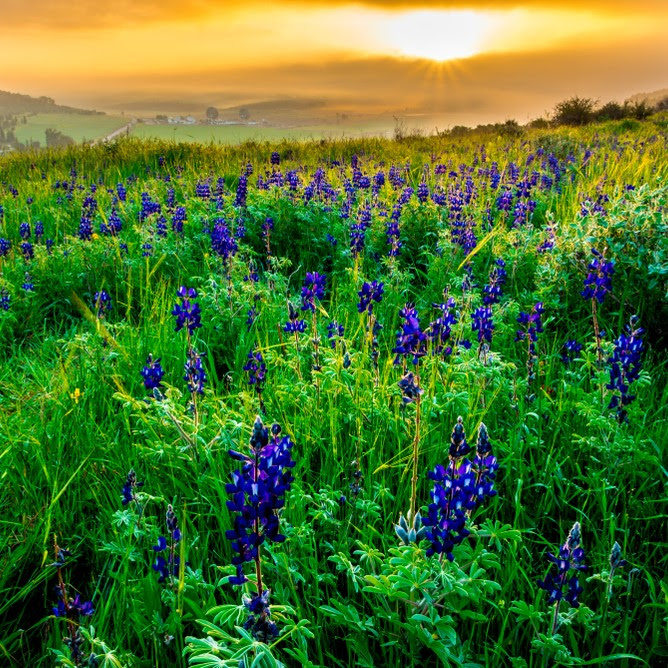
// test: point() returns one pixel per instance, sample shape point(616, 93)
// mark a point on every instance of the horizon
point(455, 59)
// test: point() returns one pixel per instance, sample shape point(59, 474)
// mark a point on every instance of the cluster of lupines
point(625, 366)
point(257, 373)
point(152, 373)
point(440, 329)
point(570, 348)
point(103, 303)
point(597, 285)
point(335, 332)
point(258, 490)
point(169, 567)
point(570, 558)
point(70, 609)
point(129, 491)
point(411, 340)
point(532, 327)
point(482, 322)
point(189, 316)
point(294, 324)
point(459, 486)
point(370, 292)
point(497, 278)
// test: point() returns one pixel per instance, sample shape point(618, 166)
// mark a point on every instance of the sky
point(481, 60)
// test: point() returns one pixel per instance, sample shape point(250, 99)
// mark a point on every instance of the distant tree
point(539, 123)
point(662, 104)
point(611, 111)
point(212, 113)
point(55, 138)
point(640, 110)
point(161, 117)
point(574, 111)
point(244, 114)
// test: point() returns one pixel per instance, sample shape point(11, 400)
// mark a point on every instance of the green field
point(234, 134)
point(81, 127)
point(472, 327)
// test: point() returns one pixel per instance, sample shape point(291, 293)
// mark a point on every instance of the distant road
point(116, 133)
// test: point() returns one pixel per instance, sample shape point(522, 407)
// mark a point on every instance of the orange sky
point(506, 55)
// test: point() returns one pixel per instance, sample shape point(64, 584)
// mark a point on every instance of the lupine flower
point(409, 388)
point(187, 313)
point(129, 488)
point(102, 302)
point(251, 315)
point(294, 324)
point(195, 375)
point(258, 622)
point(440, 329)
point(370, 292)
point(599, 279)
point(313, 288)
point(152, 373)
point(533, 325)
point(485, 466)
point(497, 277)
point(258, 489)
point(28, 285)
point(5, 299)
point(222, 242)
point(168, 568)
point(24, 231)
point(569, 350)
point(410, 533)
point(257, 370)
point(275, 158)
point(27, 250)
point(334, 331)
point(5, 245)
point(625, 365)
point(570, 558)
point(482, 323)
point(411, 340)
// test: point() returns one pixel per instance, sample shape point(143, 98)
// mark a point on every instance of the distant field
point(232, 134)
point(78, 126)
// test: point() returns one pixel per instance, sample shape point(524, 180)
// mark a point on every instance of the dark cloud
point(87, 14)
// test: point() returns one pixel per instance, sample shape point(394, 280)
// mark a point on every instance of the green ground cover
point(80, 127)
point(95, 242)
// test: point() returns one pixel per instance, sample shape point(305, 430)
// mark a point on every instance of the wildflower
point(484, 466)
point(169, 567)
point(625, 365)
point(313, 288)
point(256, 369)
point(129, 488)
point(599, 279)
point(5, 299)
point(411, 341)
point(570, 558)
point(370, 292)
point(294, 324)
point(258, 489)
point(152, 373)
point(195, 375)
point(533, 324)
point(334, 332)
point(409, 388)
point(5, 246)
point(439, 330)
point(258, 622)
point(102, 302)
point(482, 323)
point(187, 313)
point(28, 285)
point(569, 350)
point(497, 277)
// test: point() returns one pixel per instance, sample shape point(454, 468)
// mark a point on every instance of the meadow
point(79, 127)
point(336, 403)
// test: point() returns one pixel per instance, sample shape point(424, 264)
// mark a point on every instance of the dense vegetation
point(437, 325)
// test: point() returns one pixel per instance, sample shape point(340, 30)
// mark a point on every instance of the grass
point(77, 126)
point(75, 416)
point(234, 134)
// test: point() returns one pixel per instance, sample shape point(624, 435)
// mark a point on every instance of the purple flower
point(195, 375)
point(599, 279)
point(187, 313)
point(482, 323)
point(570, 558)
point(314, 288)
point(625, 366)
point(102, 302)
point(411, 340)
point(152, 373)
point(295, 323)
point(370, 292)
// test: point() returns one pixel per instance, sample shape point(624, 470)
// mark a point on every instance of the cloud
point(91, 14)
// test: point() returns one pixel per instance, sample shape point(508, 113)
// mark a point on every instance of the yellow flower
point(76, 395)
point(95, 236)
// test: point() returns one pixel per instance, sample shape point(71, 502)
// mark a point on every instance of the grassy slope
point(79, 127)
point(73, 419)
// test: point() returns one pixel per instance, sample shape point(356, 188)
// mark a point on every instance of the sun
point(438, 35)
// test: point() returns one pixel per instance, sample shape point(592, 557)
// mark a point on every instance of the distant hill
point(15, 103)
point(651, 98)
